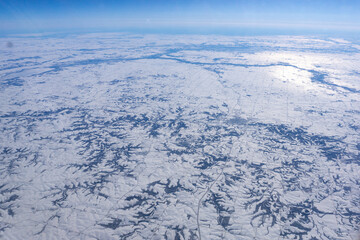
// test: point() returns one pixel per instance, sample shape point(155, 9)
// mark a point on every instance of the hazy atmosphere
point(197, 16)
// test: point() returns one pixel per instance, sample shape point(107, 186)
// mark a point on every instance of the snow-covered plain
point(120, 136)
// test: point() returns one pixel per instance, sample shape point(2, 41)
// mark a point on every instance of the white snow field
point(125, 136)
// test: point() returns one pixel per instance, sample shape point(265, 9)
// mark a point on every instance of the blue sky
point(72, 15)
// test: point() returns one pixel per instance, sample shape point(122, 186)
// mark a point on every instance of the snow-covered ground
point(122, 136)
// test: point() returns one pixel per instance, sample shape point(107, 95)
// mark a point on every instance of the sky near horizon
point(66, 15)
